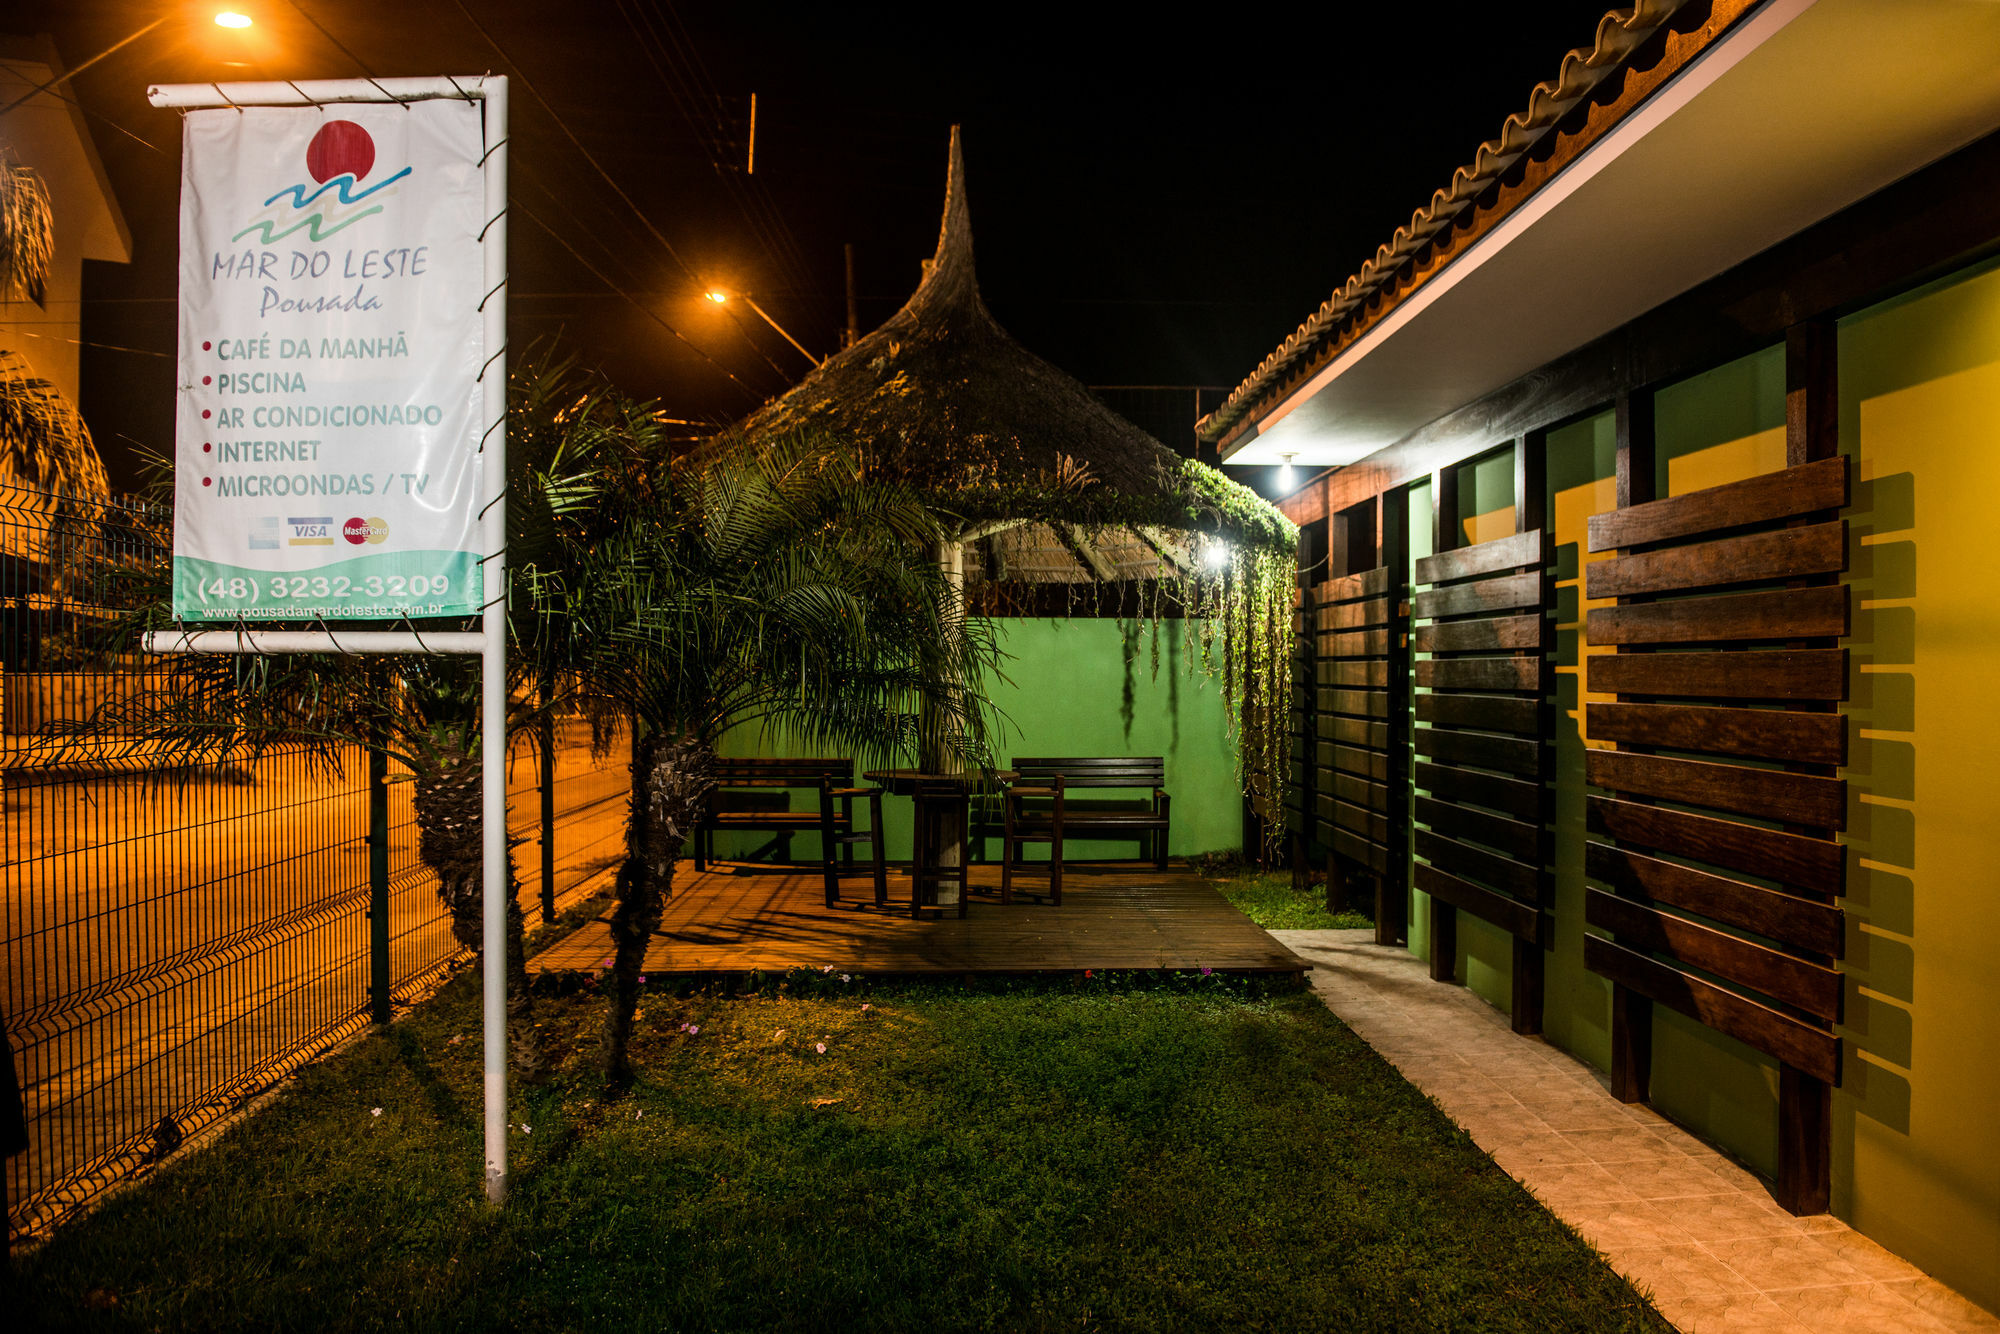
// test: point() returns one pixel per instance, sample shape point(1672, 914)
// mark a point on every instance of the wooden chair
point(751, 794)
point(936, 799)
point(1148, 820)
point(1033, 824)
point(830, 827)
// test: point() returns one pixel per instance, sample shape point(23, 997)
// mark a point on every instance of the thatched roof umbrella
point(1053, 485)
point(941, 396)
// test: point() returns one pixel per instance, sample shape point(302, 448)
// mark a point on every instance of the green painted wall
point(1916, 1155)
point(1063, 691)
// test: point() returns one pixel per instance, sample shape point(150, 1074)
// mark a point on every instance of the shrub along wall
point(1914, 1163)
point(1065, 692)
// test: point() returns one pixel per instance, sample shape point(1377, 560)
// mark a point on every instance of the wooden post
point(1631, 1013)
point(1531, 489)
point(852, 333)
point(1805, 1137)
point(1392, 552)
point(1444, 537)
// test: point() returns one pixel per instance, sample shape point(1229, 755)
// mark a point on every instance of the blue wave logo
point(337, 159)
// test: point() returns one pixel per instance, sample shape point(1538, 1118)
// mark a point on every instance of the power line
point(588, 156)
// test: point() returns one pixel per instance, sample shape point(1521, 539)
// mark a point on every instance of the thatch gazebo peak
point(942, 397)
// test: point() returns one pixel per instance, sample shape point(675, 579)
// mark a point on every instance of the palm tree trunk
point(670, 779)
point(449, 806)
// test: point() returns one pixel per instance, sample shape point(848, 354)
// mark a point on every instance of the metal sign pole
point(493, 623)
point(490, 641)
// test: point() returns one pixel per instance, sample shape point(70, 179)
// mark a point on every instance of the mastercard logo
point(357, 531)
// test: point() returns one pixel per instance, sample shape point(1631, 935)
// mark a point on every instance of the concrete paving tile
point(1564, 1184)
point(1945, 1306)
point(1863, 1308)
point(1784, 1260)
point(1626, 1145)
point(1677, 1273)
point(1617, 1226)
point(1522, 1156)
point(1577, 1113)
point(1732, 1215)
point(1670, 1178)
point(1738, 1313)
point(1867, 1258)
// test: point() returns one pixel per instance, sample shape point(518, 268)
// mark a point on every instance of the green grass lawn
point(1097, 1155)
point(1268, 899)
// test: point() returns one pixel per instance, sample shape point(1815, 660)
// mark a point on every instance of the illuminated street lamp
point(721, 297)
point(231, 19)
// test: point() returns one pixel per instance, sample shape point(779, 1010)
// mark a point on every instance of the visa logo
point(312, 531)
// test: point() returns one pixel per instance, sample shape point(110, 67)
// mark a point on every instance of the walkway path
point(1695, 1230)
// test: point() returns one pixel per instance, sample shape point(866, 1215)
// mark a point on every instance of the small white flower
point(527, 1129)
point(845, 978)
point(820, 1047)
point(641, 1115)
point(375, 1111)
point(864, 1009)
point(826, 968)
point(693, 1029)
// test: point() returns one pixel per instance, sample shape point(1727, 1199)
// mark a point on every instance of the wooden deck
point(1125, 917)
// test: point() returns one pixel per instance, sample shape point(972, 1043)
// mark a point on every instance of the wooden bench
point(751, 796)
point(1144, 819)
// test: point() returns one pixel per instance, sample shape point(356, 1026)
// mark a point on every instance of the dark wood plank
point(1357, 703)
point(1479, 750)
point(1767, 734)
point(1773, 496)
point(1516, 838)
point(1777, 1035)
point(1368, 763)
point(1356, 848)
point(1355, 644)
point(1481, 595)
point(1354, 731)
point(1811, 987)
point(1802, 924)
point(1814, 674)
point(1354, 615)
point(1815, 864)
point(1348, 587)
point(1359, 791)
point(1488, 713)
point(1789, 553)
point(1511, 673)
point(1511, 796)
point(1519, 919)
point(1788, 613)
point(1356, 673)
point(1372, 825)
point(1765, 793)
point(1522, 881)
point(1496, 634)
point(1504, 553)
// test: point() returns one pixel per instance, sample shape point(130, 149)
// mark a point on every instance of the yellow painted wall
point(1917, 1120)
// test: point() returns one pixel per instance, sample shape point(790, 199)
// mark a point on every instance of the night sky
point(1156, 201)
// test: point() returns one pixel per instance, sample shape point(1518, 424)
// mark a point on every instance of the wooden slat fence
point(1715, 845)
point(1359, 723)
point(1484, 753)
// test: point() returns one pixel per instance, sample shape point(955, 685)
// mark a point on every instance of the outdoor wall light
point(1217, 556)
point(1287, 476)
point(717, 295)
point(231, 19)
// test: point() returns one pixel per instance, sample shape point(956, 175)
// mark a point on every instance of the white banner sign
point(330, 340)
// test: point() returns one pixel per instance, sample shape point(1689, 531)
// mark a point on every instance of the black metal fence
point(173, 950)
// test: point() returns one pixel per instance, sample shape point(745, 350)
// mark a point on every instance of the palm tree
point(784, 591)
point(42, 439)
point(564, 426)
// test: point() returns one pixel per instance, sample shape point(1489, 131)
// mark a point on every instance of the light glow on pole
point(231, 19)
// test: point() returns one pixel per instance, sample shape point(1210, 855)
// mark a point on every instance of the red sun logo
point(340, 148)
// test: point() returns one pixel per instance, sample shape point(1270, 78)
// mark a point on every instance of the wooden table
point(948, 834)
